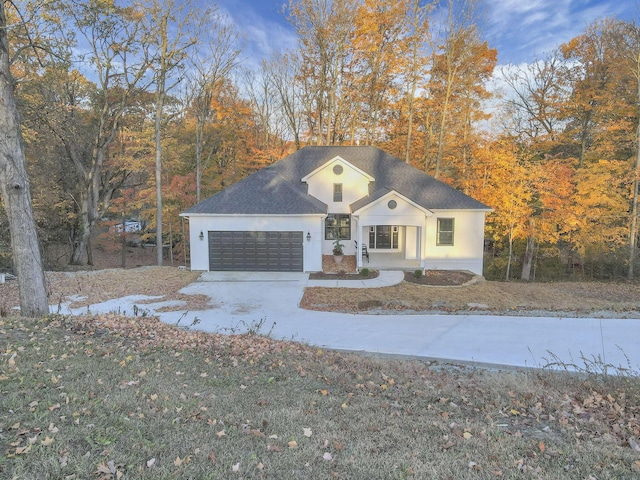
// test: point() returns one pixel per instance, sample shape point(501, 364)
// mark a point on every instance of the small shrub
point(417, 274)
point(365, 272)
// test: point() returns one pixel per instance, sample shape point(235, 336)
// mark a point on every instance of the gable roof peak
point(335, 160)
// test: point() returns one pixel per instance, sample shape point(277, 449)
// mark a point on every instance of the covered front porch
point(391, 232)
point(377, 262)
point(389, 261)
point(388, 247)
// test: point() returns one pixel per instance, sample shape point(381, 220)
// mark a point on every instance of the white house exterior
point(286, 216)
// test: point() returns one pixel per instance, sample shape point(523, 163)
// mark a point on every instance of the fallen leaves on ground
point(507, 297)
point(150, 332)
point(374, 407)
point(96, 286)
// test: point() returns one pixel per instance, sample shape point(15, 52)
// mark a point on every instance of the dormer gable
point(338, 183)
point(393, 203)
point(337, 162)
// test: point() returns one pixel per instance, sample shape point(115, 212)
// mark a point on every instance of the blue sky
point(521, 30)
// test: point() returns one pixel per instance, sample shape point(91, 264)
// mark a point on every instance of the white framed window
point(337, 192)
point(337, 224)
point(445, 231)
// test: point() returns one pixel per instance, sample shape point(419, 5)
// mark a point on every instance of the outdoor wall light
point(201, 236)
point(308, 237)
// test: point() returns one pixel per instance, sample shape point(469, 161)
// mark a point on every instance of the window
point(337, 224)
point(337, 192)
point(383, 236)
point(445, 231)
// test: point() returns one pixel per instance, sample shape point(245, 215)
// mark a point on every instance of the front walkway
point(386, 278)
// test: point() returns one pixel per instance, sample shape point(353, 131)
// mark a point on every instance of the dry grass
point(101, 285)
point(498, 296)
point(109, 397)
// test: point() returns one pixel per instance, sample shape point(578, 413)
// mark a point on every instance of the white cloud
point(524, 30)
point(263, 35)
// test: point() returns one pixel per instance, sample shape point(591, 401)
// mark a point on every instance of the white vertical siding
point(312, 224)
point(466, 253)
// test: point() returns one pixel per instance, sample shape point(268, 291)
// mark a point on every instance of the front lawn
point(111, 397)
point(583, 298)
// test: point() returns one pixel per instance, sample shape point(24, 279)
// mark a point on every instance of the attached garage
point(264, 251)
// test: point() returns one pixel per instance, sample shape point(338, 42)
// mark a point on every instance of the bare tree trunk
point(443, 123)
point(170, 245)
point(160, 93)
point(633, 229)
point(89, 252)
point(510, 254)
point(414, 78)
point(527, 262)
point(199, 142)
point(16, 193)
point(123, 244)
point(92, 203)
point(81, 238)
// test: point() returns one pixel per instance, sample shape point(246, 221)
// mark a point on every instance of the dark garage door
point(255, 251)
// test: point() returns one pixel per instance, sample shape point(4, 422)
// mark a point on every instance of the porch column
point(422, 235)
point(359, 240)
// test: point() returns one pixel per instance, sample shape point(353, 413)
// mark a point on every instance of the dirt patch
point(98, 286)
point(443, 278)
point(598, 299)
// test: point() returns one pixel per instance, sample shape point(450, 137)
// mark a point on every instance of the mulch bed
point(343, 275)
point(347, 266)
point(346, 270)
point(439, 278)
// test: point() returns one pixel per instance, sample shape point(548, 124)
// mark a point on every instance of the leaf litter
point(110, 396)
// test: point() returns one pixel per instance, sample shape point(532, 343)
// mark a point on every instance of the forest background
point(133, 111)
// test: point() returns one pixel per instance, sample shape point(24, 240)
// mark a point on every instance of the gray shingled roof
point(278, 189)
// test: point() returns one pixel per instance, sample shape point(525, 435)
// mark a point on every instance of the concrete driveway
point(244, 301)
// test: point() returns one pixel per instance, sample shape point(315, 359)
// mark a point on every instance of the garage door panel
point(255, 251)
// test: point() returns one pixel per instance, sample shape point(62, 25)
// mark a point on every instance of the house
point(287, 215)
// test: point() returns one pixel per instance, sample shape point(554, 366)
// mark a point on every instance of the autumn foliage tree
point(558, 164)
point(15, 190)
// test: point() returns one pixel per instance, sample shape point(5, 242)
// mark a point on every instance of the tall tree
point(537, 97)
point(460, 68)
point(324, 29)
point(380, 48)
point(112, 41)
point(210, 66)
point(172, 29)
point(603, 116)
point(506, 187)
point(16, 193)
point(415, 66)
point(282, 73)
point(630, 46)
